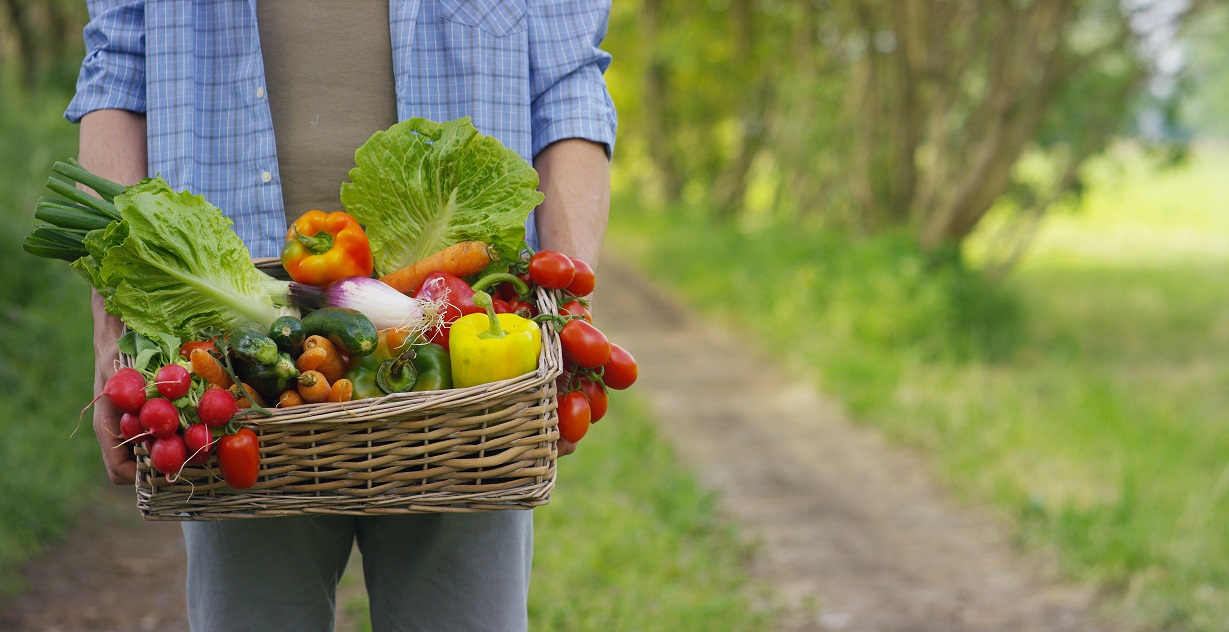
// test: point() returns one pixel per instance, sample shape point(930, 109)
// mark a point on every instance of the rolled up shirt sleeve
point(566, 63)
point(113, 71)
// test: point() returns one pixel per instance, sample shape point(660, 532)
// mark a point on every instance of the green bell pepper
point(362, 374)
point(434, 368)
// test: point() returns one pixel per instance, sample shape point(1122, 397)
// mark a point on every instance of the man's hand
point(107, 328)
point(113, 146)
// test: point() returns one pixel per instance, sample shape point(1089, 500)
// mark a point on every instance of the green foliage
point(860, 309)
point(880, 116)
point(46, 357)
point(1097, 419)
point(1206, 77)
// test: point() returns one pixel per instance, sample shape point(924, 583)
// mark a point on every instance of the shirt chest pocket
point(496, 17)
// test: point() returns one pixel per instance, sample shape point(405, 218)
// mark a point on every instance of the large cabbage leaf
point(173, 264)
point(421, 186)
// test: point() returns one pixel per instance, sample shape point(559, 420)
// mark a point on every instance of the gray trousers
point(456, 571)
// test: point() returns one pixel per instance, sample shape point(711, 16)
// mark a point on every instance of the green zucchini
point(251, 344)
point(269, 379)
point(287, 332)
point(345, 327)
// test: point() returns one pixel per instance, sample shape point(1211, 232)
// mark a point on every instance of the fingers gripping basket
point(480, 448)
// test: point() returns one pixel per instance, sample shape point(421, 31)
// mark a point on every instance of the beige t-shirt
point(329, 81)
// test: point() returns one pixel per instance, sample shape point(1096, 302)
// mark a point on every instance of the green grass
point(629, 541)
point(1086, 395)
point(46, 357)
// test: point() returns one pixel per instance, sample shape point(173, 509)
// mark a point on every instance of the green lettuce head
point(421, 186)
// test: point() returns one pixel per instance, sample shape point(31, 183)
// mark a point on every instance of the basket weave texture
point(480, 448)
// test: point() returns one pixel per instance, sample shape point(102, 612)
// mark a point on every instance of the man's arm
point(575, 177)
point(112, 145)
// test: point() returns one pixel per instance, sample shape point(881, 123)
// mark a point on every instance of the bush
point(46, 357)
point(858, 308)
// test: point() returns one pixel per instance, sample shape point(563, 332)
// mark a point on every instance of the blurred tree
point(1206, 112)
point(880, 114)
point(39, 39)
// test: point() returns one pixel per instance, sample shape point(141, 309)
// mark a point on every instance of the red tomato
point(551, 269)
point(239, 458)
point(574, 307)
point(599, 399)
point(500, 306)
point(506, 291)
point(185, 350)
point(583, 280)
point(584, 344)
point(621, 370)
point(522, 308)
point(574, 416)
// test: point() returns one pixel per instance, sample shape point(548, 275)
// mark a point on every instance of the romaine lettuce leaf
point(421, 186)
point(173, 264)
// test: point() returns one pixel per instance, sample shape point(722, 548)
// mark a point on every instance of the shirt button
point(260, 92)
point(265, 176)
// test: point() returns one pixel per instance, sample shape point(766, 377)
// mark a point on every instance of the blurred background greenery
point(998, 231)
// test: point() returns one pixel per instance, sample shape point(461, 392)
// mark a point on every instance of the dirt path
point(853, 534)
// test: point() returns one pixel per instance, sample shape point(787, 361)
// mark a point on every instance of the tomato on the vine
point(574, 416)
point(186, 349)
point(584, 344)
point(599, 399)
point(551, 269)
point(521, 308)
point(239, 458)
point(576, 308)
point(620, 370)
point(583, 280)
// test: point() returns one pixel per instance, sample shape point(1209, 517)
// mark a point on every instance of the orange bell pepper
point(325, 247)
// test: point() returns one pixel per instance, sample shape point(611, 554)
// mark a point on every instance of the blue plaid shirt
point(527, 73)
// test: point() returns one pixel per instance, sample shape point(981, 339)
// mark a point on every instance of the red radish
point(125, 389)
point(173, 381)
point(217, 407)
point(168, 455)
point(160, 417)
point(199, 442)
point(131, 429)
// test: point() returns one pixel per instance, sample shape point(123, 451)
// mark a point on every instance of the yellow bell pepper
point(491, 347)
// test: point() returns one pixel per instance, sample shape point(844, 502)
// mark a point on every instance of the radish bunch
point(174, 412)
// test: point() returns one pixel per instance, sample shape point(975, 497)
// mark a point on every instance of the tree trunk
point(656, 103)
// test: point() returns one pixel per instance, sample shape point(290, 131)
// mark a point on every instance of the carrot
point(320, 354)
point(341, 391)
point(246, 401)
point(460, 260)
point(313, 387)
point(288, 398)
point(208, 367)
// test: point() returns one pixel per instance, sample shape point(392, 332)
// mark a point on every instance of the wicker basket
point(480, 448)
